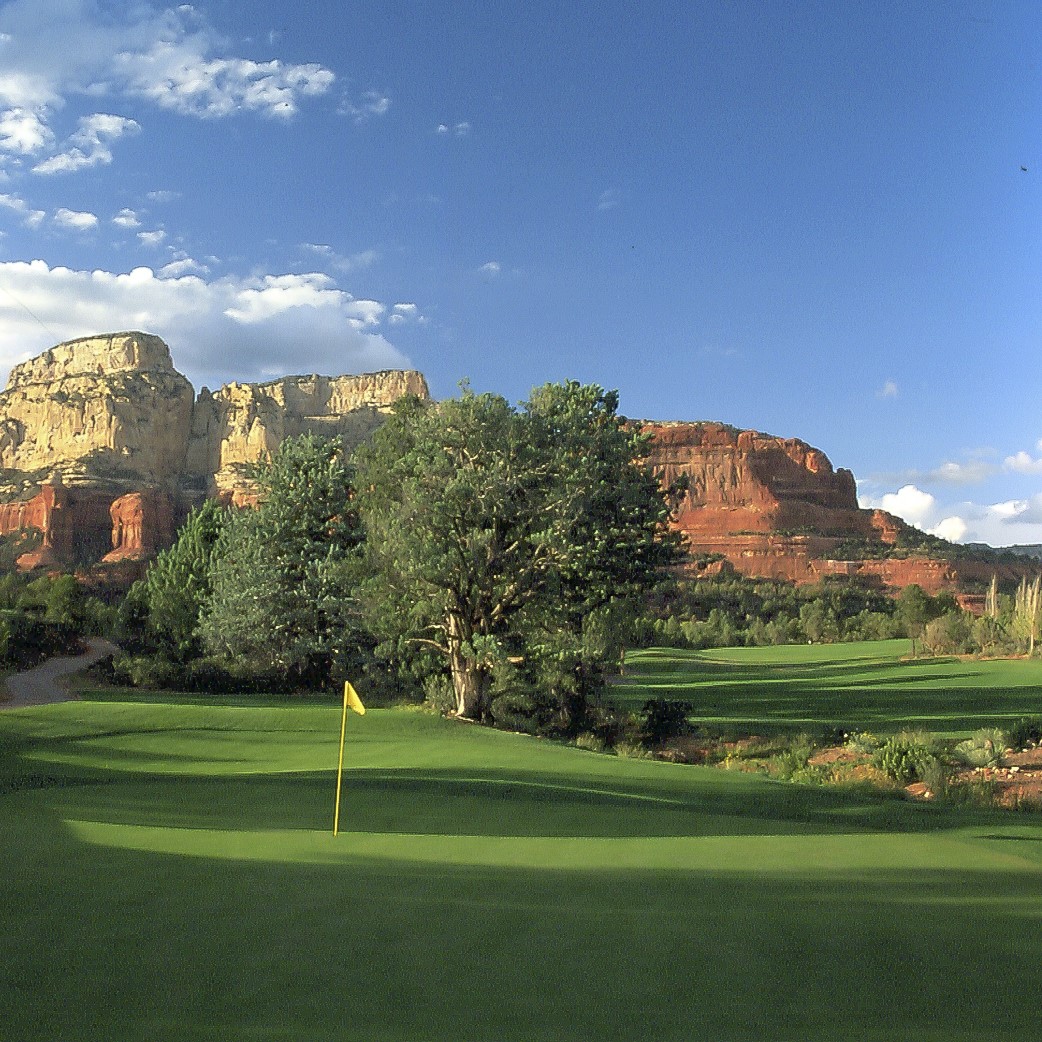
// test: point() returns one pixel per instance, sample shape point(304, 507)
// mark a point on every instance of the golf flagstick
point(351, 700)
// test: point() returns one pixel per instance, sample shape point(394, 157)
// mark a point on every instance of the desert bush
point(907, 756)
point(632, 750)
point(663, 719)
point(863, 742)
point(1025, 732)
point(791, 764)
point(984, 748)
point(591, 742)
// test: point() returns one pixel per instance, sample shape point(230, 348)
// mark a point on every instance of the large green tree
point(177, 583)
point(284, 575)
point(496, 532)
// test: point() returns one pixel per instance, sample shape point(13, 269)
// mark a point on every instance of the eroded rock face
point(775, 508)
point(107, 407)
point(103, 449)
point(242, 424)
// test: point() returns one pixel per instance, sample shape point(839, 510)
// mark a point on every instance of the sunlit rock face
point(104, 446)
point(107, 407)
point(242, 424)
point(775, 508)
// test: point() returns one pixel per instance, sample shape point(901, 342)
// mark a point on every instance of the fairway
point(870, 685)
point(169, 873)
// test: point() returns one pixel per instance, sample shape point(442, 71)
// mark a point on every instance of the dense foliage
point(512, 542)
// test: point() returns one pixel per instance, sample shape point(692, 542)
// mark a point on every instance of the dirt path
point(47, 682)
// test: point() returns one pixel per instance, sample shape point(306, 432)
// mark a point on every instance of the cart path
point(46, 682)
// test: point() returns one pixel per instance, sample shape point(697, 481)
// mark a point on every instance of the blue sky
point(809, 218)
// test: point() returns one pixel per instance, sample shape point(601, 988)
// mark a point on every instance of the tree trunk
point(469, 679)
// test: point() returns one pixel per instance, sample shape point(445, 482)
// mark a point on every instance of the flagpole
point(340, 765)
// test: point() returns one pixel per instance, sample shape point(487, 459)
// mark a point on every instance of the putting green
point(168, 873)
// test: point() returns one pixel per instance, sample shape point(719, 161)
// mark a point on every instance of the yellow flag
point(352, 700)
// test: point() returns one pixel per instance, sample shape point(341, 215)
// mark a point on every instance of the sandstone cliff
point(103, 449)
point(241, 424)
point(775, 508)
point(100, 408)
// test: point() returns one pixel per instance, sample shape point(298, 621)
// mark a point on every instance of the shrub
point(907, 756)
point(1025, 732)
point(792, 764)
point(663, 719)
point(515, 711)
point(438, 693)
point(632, 751)
point(863, 742)
point(984, 748)
point(591, 742)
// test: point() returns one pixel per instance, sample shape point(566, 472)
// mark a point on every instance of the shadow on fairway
point(139, 946)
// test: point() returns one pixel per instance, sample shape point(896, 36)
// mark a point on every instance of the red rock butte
point(775, 508)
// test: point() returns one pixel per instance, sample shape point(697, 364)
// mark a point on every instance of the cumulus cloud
point(55, 50)
point(244, 328)
point(1003, 523)
point(491, 269)
point(888, 390)
point(89, 146)
point(456, 129)
point(1024, 463)
point(31, 218)
point(911, 503)
point(75, 220)
point(126, 218)
point(153, 238)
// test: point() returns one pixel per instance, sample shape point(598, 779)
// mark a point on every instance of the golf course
point(169, 872)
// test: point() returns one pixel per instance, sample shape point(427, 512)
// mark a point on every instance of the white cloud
point(176, 74)
point(402, 313)
point(457, 129)
point(76, 220)
point(342, 263)
point(182, 265)
point(89, 146)
point(31, 218)
point(969, 473)
point(1024, 463)
point(24, 132)
point(126, 218)
point(218, 330)
point(888, 390)
point(910, 503)
point(950, 528)
point(491, 269)
point(54, 50)
point(609, 199)
point(153, 238)
point(163, 196)
point(371, 103)
point(998, 524)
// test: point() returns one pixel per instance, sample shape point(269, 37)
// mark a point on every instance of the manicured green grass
point(168, 872)
point(870, 685)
